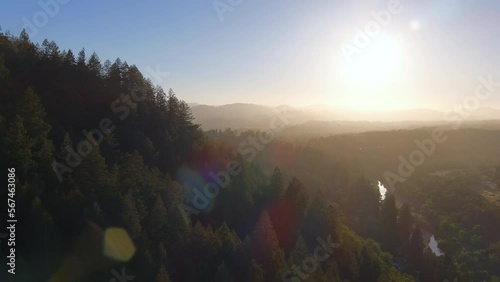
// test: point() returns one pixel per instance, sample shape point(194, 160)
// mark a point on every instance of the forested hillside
point(97, 146)
point(453, 195)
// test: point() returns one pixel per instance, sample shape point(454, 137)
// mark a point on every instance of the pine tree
point(94, 64)
point(33, 113)
point(36, 124)
point(66, 143)
point(69, 59)
point(162, 275)
point(105, 68)
point(332, 272)
point(4, 71)
point(416, 247)
point(24, 47)
point(290, 212)
point(149, 152)
point(275, 190)
point(389, 224)
point(157, 219)
point(297, 196)
point(53, 52)
point(230, 242)
point(18, 146)
point(222, 274)
point(267, 249)
point(134, 175)
point(334, 223)
point(42, 224)
point(160, 98)
point(131, 215)
point(92, 174)
point(299, 252)
point(405, 224)
point(81, 59)
point(256, 272)
point(368, 268)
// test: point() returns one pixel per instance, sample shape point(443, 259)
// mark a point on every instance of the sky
point(429, 54)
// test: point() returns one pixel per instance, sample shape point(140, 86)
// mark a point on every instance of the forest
point(109, 168)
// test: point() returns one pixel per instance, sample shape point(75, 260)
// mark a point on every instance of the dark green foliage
point(388, 221)
point(416, 248)
point(131, 215)
point(17, 146)
point(405, 224)
point(266, 247)
point(162, 275)
point(368, 267)
point(222, 274)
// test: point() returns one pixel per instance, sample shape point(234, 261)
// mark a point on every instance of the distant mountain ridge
point(254, 116)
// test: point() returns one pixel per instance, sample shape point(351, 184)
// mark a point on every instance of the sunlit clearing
point(118, 245)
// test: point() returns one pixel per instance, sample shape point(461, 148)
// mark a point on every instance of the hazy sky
point(430, 54)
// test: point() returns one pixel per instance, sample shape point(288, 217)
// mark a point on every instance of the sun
point(373, 78)
point(380, 63)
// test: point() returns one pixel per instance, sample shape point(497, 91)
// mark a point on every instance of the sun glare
point(377, 64)
point(374, 77)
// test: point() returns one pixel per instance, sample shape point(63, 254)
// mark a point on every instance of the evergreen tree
point(157, 219)
point(4, 71)
point(94, 64)
point(405, 224)
point(267, 249)
point(149, 152)
point(299, 252)
point(222, 274)
point(416, 246)
point(276, 190)
point(37, 127)
point(92, 174)
point(40, 222)
point(69, 59)
point(18, 146)
point(131, 215)
point(368, 268)
point(256, 273)
point(297, 196)
point(81, 61)
point(388, 220)
point(230, 242)
point(162, 275)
